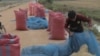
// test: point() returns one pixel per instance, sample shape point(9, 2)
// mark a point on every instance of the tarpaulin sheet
point(70, 46)
point(36, 23)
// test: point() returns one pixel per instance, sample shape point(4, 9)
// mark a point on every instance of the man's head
point(72, 15)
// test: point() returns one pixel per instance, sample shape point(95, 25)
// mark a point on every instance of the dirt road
point(27, 38)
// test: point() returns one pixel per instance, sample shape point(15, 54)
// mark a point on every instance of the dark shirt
point(76, 26)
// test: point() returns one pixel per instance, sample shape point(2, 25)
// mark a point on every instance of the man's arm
point(85, 19)
point(67, 25)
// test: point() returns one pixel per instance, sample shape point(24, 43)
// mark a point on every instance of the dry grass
point(94, 4)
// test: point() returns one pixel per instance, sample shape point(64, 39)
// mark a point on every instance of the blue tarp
point(37, 23)
point(70, 46)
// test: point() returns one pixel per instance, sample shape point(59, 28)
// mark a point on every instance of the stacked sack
point(21, 17)
point(37, 10)
point(36, 23)
point(9, 45)
point(32, 9)
point(51, 13)
point(57, 26)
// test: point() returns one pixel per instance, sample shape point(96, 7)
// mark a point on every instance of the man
point(74, 22)
point(78, 36)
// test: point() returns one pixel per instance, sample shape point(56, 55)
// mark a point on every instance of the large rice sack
point(24, 11)
point(9, 45)
point(40, 11)
point(51, 13)
point(30, 8)
point(57, 28)
point(20, 20)
point(36, 9)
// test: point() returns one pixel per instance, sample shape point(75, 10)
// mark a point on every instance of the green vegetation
point(47, 3)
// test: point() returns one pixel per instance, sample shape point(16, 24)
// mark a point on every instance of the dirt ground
point(27, 38)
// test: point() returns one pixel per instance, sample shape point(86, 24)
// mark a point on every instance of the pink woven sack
point(57, 26)
point(20, 20)
point(24, 11)
point(31, 8)
point(36, 9)
point(51, 14)
point(9, 45)
point(40, 11)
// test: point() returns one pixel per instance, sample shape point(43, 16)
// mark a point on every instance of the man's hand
point(90, 28)
point(71, 33)
point(90, 25)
